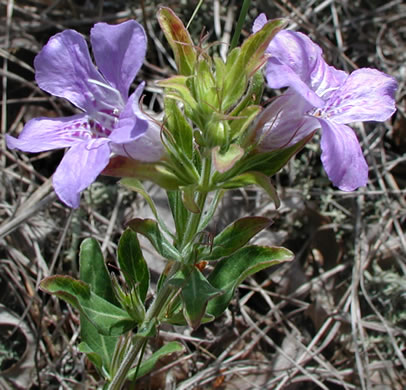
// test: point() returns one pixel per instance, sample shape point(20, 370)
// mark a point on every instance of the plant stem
point(194, 14)
point(162, 298)
point(167, 291)
point(194, 220)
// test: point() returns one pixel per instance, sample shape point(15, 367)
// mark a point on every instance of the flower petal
point(147, 148)
point(284, 122)
point(293, 59)
point(259, 22)
point(326, 79)
point(366, 95)
point(41, 134)
point(342, 156)
point(63, 68)
point(119, 51)
point(79, 168)
point(132, 123)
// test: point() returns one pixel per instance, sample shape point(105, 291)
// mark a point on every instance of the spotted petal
point(79, 168)
point(342, 156)
point(64, 68)
point(41, 134)
point(366, 95)
point(119, 51)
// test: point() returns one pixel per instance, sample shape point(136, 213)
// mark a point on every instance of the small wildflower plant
point(215, 135)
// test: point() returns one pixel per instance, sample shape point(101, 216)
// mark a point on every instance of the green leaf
point(270, 163)
point(208, 214)
point(188, 198)
point(132, 263)
point(196, 292)
point(179, 40)
point(235, 236)
point(179, 127)
point(257, 178)
point(149, 364)
point(179, 211)
point(245, 118)
point(220, 73)
point(232, 270)
point(253, 95)
point(108, 319)
point(180, 91)
point(267, 163)
point(225, 161)
point(180, 164)
point(150, 229)
point(242, 63)
point(252, 55)
point(136, 186)
point(235, 82)
point(96, 357)
point(98, 348)
point(93, 271)
point(205, 88)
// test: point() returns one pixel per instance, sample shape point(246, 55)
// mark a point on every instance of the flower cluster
point(320, 96)
point(112, 121)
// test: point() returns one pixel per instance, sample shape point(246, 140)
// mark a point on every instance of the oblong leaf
point(93, 271)
point(235, 236)
point(196, 293)
point(232, 270)
point(132, 262)
point(98, 348)
point(179, 212)
point(179, 40)
point(149, 364)
point(179, 127)
point(109, 319)
point(135, 185)
point(150, 229)
point(257, 178)
point(267, 163)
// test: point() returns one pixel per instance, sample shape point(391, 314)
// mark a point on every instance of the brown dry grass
point(333, 319)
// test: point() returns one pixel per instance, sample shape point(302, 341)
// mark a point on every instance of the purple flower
point(112, 121)
point(320, 96)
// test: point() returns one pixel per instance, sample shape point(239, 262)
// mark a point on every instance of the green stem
point(194, 220)
point(194, 14)
point(167, 291)
point(163, 297)
point(240, 23)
